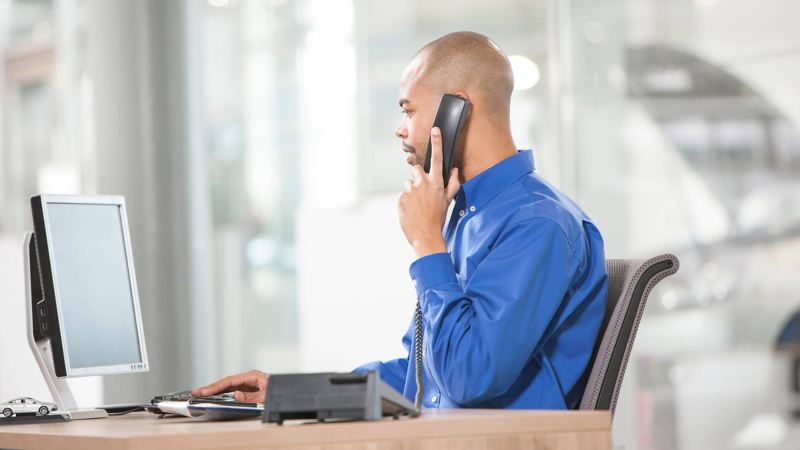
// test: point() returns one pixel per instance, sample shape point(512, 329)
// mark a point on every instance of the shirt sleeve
point(479, 339)
point(393, 371)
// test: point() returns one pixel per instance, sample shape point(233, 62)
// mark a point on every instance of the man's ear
point(462, 94)
point(459, 156)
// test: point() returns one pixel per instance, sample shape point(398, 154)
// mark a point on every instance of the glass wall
point(252, 140)
point(45, 146)
point(682, 124)
point(255, 138)
point(300, 100)
point(44, 93)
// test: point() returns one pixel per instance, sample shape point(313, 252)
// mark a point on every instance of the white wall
point(355, 296)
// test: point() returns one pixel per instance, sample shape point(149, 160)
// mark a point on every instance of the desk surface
point(435, 429)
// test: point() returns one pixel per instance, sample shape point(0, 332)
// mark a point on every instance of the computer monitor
point(84, 313)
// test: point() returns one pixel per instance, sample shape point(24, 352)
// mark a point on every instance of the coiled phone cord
point(418, 356)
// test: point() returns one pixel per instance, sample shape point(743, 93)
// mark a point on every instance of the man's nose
point(401, 130)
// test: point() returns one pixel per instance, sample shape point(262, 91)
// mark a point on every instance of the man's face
point(418, 106)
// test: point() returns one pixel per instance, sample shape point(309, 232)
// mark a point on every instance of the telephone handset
point(450, 118)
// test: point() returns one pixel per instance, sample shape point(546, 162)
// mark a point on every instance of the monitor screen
point(92, 279)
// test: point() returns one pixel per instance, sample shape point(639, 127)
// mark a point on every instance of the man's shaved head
point(469, 65)
point(468, 62)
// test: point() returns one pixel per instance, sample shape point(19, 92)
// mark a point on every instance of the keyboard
point(172, 396)
point(186, 396)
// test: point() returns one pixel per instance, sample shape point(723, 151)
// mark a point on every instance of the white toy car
point(26, 405)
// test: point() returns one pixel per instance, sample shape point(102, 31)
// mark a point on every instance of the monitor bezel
point(114, 200)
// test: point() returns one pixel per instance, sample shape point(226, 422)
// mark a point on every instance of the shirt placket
point(455, 216)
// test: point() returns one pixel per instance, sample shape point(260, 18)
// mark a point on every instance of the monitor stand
point(42, 352)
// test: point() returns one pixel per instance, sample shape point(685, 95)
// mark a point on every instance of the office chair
point(629, 283)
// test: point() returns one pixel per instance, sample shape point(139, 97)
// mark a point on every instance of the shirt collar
point(486, 185)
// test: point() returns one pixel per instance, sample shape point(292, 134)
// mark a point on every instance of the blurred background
point(253, 141)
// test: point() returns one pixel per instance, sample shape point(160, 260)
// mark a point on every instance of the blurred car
point(26, 405)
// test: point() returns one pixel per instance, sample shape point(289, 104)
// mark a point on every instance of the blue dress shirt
point(511, 314)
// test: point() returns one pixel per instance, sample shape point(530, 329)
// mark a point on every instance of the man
point(512, 291)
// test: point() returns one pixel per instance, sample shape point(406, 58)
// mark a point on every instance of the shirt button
point(434, 397)
point(472, 208)
point(461, 213)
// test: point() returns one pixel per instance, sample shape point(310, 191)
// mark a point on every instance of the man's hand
point(248, 387)
point(423, 205)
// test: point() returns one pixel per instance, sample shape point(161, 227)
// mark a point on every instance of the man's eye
point(403, 112)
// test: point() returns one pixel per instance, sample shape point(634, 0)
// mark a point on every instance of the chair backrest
point(629, 283)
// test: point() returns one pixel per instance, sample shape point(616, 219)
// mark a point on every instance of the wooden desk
point(435, 429)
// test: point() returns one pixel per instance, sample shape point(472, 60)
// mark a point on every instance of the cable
point(418, 357)
point(122, 412)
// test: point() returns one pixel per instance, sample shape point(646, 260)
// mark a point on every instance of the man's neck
point(484, 146)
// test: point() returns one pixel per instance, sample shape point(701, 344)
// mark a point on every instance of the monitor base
point(80, 414)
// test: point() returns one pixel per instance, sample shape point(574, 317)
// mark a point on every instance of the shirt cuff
point(431, 271)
